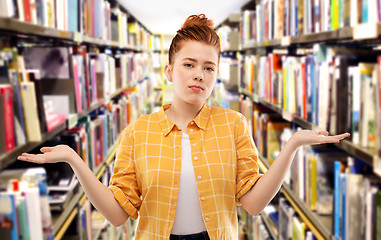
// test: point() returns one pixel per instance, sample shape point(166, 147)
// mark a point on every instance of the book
point(52, 62)
point(7, 9)
point(18, 112)
point(29, 100)
point(367, 108)
point(62, 92)
point(84, 72)
point(337, 200)
point(34, 76)
point(8, 139)
point(298, 228)
point(8, 217)
point(354, 206)
point(325, 161)
point(286, 213)
point(378, 215)
point(31, 181)
point(53, 118)
point(274, 130)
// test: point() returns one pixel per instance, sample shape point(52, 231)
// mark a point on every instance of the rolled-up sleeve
point(123, 182)
point(247, 156)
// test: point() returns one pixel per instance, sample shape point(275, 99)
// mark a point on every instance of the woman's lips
point(196, 88)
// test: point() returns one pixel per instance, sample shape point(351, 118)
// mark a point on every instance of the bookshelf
point(298, 37)
point(319, 225)
point(367, 155)
point(121, 102)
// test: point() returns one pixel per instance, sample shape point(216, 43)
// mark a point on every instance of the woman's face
point(193, 72)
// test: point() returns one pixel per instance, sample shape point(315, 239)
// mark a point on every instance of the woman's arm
point(257, 198)
point(99, 195)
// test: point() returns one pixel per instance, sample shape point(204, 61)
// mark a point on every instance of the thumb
point(46, 149)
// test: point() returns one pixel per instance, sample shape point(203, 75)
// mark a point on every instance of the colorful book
point(8, 122)
point(8, 217)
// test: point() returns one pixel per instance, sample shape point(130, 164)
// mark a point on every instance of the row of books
point(330, 181)
point(230, 38)
point(267, 128)
point(228, 72)
point(274, 19)
point(90, 222)
point(94, 18)
point(43, 86)
point(337, 89)
point(357, 202)
point(92, 138)
point(291, 226)
point(279, 218)
point(24, 210)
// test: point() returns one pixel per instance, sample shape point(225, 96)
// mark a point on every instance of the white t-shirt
point(188, 218)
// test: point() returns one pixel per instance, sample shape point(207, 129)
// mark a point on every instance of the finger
point(46, 149)
point(21, 158)
point(25, 158)
point(325, 133)
point(37, 158)
point(336, 138)
point(342, 136)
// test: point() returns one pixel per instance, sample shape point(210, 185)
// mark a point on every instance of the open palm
point(59, 153)
point(309, 137)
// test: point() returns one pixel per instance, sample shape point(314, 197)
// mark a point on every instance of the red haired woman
point(185, 168)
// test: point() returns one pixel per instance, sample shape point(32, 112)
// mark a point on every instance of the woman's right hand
point(59, 153)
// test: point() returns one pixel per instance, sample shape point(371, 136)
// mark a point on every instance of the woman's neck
point(182, 114)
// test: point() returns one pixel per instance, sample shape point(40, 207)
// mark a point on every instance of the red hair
point(195, 28)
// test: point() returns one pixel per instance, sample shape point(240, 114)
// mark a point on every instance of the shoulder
point(225, 114)
point(140, 123)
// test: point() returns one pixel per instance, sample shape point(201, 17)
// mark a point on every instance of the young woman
point(186, 167)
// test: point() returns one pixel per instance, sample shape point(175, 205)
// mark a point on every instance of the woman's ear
point(168, 72)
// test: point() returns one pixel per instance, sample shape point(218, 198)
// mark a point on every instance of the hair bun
point(198, 20)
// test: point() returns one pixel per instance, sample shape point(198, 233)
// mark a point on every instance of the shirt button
point(191, 130)
point(195, 158)
point(206, 219)
point(198, 177)
point(202, 198)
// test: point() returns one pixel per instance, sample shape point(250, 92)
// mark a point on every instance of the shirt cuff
point(124, 202)
point(247, 186)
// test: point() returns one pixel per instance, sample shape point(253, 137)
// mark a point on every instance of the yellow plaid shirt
point(147, 170)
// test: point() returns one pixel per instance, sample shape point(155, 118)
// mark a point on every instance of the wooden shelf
point(342, 34)
point(25, 29)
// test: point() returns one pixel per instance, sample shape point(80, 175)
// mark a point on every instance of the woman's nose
point(199, 75)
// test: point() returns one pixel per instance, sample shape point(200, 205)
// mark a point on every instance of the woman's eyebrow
point(195, 60)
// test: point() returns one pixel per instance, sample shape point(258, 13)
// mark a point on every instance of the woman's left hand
point(309, 137)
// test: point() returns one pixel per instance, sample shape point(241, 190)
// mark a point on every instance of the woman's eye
point(209, 69)
point(188, 65)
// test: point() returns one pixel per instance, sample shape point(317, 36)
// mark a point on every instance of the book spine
point(27, 11)
point(336, 200)
point(77, 84)
point(6, 95)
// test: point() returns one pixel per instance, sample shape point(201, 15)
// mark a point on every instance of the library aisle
point(78, 72)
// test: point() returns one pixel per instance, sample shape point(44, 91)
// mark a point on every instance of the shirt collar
point(200, 120)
